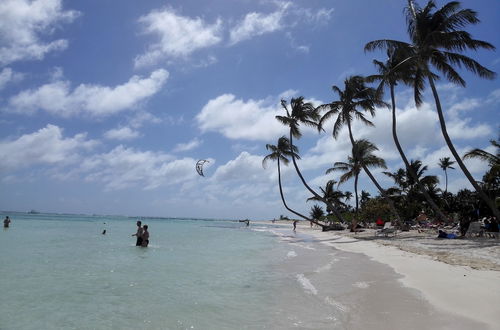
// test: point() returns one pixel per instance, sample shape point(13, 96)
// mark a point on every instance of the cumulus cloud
point(58, 98)
point(7, 76)
point(179, 35)
point(256, 24)
point(46, 146)
point(239, 119)
point(122, 133)
point(188, 145)
point(125, 167)
point(24, 23)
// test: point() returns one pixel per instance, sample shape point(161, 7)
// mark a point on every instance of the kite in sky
point(199, 166)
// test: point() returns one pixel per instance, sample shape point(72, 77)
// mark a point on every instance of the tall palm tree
point(492, 159)
point(445, 164)
point(437, 41)
point(390, 73)
point(362, 157)
point(280, 153)
point(353, 100)
point(302, 113)
point(330, 194)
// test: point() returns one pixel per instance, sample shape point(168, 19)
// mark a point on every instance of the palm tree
point(302, 113)
point(437, 41)
point(280, 153)
point(355, 98)
point(365, 197)
point(362, 157)
point(390, 73)
point(445, 163)
point(316, 212)
point(332, 195)
point(493, 160)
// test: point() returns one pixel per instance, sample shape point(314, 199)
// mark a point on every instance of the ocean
point(60, 272)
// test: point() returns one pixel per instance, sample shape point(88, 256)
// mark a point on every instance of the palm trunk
point(446, 180)
point(284, 203)
point(473, 182)
point(354, 222)
point(380, 189)
point(407, 164)
point(337, 214)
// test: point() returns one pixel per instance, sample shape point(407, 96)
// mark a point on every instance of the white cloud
point(239, 119)
point(122, 133)
point(59, 99)
point(179, 35)
point(7, 76)
point(45, 146)
point(256, 24)
point(188, 146)
point(23, 23)
point(125, 167)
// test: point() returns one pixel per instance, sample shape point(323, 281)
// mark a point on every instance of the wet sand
point(370, 284)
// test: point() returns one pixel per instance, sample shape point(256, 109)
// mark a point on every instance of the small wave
point(291, 254)
point(361, 285)
point(326, 267)
point(336, 304)
point(306, 284)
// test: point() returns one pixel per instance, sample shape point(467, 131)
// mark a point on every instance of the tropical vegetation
point(438, 45)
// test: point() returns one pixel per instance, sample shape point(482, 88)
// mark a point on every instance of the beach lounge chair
point(474, 230)
point(387, 230)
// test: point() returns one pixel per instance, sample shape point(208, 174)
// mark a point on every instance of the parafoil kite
point(199, 166)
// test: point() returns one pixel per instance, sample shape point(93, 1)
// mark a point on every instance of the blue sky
point(105, 106)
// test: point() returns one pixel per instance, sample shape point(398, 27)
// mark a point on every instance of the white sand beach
point(459, 276)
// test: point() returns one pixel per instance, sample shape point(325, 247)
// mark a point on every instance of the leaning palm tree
point(437, 41)
point(280, 153)
point(353, 101)
point(445, 164)
point(493, 160)
point(395, 70)
point(302, 113)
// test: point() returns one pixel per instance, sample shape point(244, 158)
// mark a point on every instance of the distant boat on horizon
point(33, 212)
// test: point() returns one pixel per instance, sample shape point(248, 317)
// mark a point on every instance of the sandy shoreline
point(459, 276)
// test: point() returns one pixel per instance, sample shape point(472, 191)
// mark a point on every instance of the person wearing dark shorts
point(139, 234)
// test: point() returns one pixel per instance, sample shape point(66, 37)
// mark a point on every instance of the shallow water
point(59, 272)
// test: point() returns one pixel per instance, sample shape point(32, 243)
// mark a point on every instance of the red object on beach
point(379, 222)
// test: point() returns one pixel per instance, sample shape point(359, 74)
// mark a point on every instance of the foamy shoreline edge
point(459, 290)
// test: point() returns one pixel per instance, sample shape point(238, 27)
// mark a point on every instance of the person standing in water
point(6, 222)
point(145, 236)
point(295, 224)
point(139, 233)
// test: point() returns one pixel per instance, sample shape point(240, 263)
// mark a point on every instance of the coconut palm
point(362, 157)
point(365, 197)
point(437, 41)
point(353, 101)
point(302, 113)
point(280, 153)
point(493, 160)
point(391, 72)
point(330, 194)
point(445, 164)
point(316, 212)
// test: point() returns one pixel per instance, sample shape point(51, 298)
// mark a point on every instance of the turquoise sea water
point(60, 272)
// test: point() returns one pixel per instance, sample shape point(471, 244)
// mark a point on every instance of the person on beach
point(6, 222)
point(145, 236)
point(295, 224)
point(139, 234)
